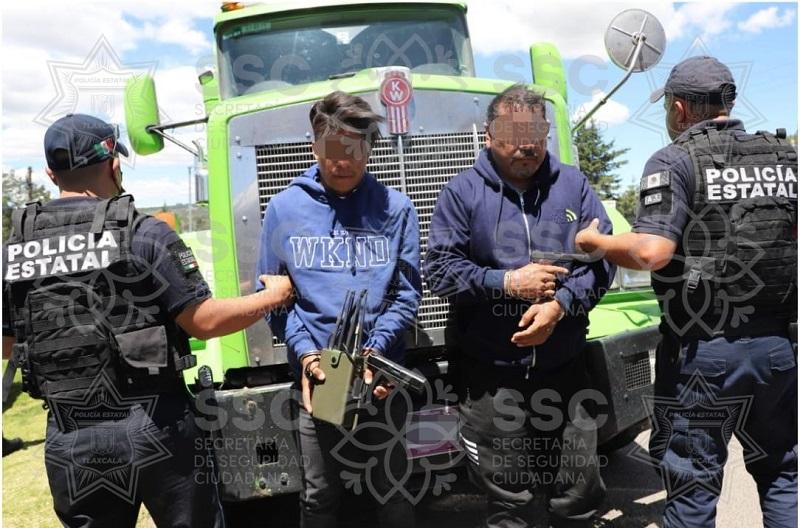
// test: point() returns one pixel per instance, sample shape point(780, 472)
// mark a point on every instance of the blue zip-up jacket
point(483, 227)
point(368, 239)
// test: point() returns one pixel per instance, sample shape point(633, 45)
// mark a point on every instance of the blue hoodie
point(327, 244)
point(482, 227)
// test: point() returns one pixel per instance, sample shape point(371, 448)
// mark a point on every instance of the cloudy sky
point(61, 57)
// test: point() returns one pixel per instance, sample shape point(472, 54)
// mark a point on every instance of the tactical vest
point(84, 308)
point(737, 261)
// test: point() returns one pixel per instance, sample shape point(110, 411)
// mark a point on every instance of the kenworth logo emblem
point(396, 95)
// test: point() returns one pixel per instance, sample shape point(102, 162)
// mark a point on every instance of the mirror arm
point(201, 155)
point(640, 41)
point(159, 129)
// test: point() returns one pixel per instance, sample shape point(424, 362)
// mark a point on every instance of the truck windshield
point(268, 53)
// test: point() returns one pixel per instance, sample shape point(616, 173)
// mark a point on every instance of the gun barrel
point(565, 258)
point(361, 307)
point(397, 373)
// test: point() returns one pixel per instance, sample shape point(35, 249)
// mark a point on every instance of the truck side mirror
point(145, 131)
point(635, 41)
point(141, 113)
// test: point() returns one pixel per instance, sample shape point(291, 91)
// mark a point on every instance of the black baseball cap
point(79, 140)
point(699, 77)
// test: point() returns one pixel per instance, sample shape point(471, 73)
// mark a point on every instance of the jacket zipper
point(525, 219)
point(530, 250)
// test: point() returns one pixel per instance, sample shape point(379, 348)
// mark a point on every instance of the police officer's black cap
point(699, 77)
point(79, 140)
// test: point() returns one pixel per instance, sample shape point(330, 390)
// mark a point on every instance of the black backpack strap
point(719, 146)
point(100, 217)
point(696, 140)
point(121, 212)
point(124, 209)
point(17, 218)
point(31, 210)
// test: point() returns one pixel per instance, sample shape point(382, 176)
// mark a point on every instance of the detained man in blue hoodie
point(519, 305)
point(334, 229)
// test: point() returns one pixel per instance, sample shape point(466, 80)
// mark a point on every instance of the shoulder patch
point(654, 181)
point(183, 256)
point(652, 199)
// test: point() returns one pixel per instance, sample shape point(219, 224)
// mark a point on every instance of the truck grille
point(428, 161)
point(637, 371)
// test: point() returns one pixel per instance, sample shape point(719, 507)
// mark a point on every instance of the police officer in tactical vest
point(103, 300)
point(717, 227)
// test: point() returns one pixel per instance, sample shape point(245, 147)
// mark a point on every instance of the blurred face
point(517, 139)
point(342, 159)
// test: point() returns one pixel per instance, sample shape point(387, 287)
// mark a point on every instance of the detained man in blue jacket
point(335, 228)
point(518, 305)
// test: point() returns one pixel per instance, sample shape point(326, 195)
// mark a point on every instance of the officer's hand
point(280, 286)
point(533, 281)
point(539, 322)
point(311, 374)
point(383, 389)
point(585, 239)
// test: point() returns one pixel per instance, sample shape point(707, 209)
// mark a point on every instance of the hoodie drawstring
point(499, 216)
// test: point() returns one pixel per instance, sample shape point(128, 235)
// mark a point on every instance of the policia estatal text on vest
point(62, 255)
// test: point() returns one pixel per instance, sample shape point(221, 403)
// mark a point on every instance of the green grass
point(26, 494)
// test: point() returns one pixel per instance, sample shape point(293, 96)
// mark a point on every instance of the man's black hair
point(342, 112)
point(517, 97)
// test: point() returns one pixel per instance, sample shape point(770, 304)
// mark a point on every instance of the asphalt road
point(635, 498)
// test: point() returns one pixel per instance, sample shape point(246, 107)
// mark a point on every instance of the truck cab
point(413, 62)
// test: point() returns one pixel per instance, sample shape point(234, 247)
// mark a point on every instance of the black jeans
point(102, 471)
point(362, 460)
point(512, 432)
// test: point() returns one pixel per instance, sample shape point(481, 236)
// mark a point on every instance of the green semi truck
point(413, 61)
